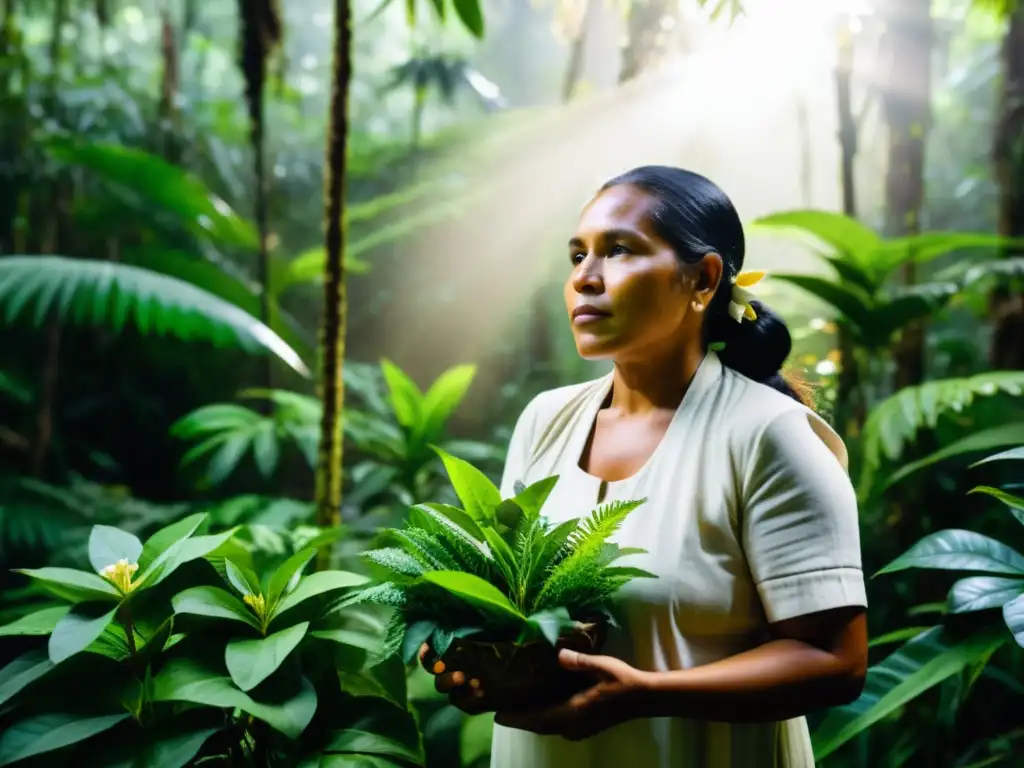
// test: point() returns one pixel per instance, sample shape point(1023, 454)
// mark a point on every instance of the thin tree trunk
point(332, 350)
point(849, 413)
point(647, 40)
point(574, 68)
point(907, 106)
point(1007, 306)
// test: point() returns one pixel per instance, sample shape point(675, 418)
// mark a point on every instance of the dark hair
point(696, 218)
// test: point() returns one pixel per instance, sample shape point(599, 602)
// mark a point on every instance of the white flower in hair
point(739, 301)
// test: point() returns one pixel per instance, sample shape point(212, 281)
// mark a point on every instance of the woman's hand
point(611, 700)
point(467, 695)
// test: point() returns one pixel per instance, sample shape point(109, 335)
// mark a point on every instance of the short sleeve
point(799, 519)
point(520, 447)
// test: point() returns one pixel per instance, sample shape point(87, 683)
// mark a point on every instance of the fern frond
point(387, 594)
point(396, 560)
point(110, 294)
point(425, 547)
point(595, 530)
point(466, 550)
point(895, 421)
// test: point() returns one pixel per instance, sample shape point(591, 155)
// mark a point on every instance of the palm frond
point(114, 295)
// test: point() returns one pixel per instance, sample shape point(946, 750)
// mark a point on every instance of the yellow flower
point(257, 603)
point(739, 304)
point(120, 575)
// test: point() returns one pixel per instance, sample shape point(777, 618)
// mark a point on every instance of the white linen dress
point(751, 518)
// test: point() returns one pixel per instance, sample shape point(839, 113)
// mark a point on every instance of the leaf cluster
point(184, 652)
point(495, 568)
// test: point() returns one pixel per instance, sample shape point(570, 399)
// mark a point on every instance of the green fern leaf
point(425, 547)
point(114, 295)
point(397, 561)
point(604, 521)
point(895, 421)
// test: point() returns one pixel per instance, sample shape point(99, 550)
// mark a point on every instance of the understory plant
point(497, 570)
point(181, 651)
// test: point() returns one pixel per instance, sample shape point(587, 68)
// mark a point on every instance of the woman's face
point(628, 295)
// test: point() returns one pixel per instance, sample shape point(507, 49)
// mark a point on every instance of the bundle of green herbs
point(495, 589)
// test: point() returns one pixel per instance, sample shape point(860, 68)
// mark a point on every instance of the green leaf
point(76, 632)
point(453, 514)
point(38, 623)
point(897, 636)
point(404, 396)
point(979, 593)
point(21, 672)
point(551, 624)
point(45, 733)
point(1014, 454)
point(922, 663)
point(441, 400)
point(287, 576)
point(185, 680)
point(928, 246)
point(241, 578)
point(471, 16)
point(163, 539)
point(847, 236)
point(107, 545)
point(173, 750)
point(214, 603)
point(70, 584)
point(416, 634)
point(1015, 503)
point(852, 302)
point(531, 499)
point(113, 294)
point(317, 584)
point(250, 662)
point(162, 184)
point(479, 496)
point(1013, 615)
point(354, 741)
point(474, 590)
point(266, 449)
point(984, 440)
point(958, 550)
point(175, 556)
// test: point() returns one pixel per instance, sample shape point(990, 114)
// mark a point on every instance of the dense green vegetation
point(247, 289)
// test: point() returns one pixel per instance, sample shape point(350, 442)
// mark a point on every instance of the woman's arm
point(812, 662)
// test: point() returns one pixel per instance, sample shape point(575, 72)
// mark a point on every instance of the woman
point(757, 616)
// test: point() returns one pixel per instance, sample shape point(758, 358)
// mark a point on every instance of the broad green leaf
point(551, 624)
point(849, 300)
point(1014, 454)
point(897, 636)
point(214, 603)
point(416, 634)
point(74, 585)
point(928, 246)
point(357, 638)
point(185, 680)
point(922, 663)
point(531, 499)
point(1015, 503)
point(175, 556)
point(45, 733)
point(403, 394)
point(242, 578)
point(478, 494)
point(288, 575)
point(250, 662)
point(317, 584)
point(38, 623)
point(21, 672)
point(984, 440)
point(959, 550)
point(163, 184)
point(471, 16)
point(978, 593)
point(892, 314)
point(163, 539)
point(455, 515)
point(474, 590)
point(266, 449)
point(112, 294)
point(107, 545)
point(503, 557)
point(847, 236)
point(441, 400)
point(1013, 614)
point(173, 750)
point(76, 632)
point(366, 743)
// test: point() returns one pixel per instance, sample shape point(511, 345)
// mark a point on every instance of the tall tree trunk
point(332, 343)
point(850, 409)
point(1006, 305)
point(647, 40)
point(906, 103)
point(260, 34)
point(169, 85)
point(574, 68)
